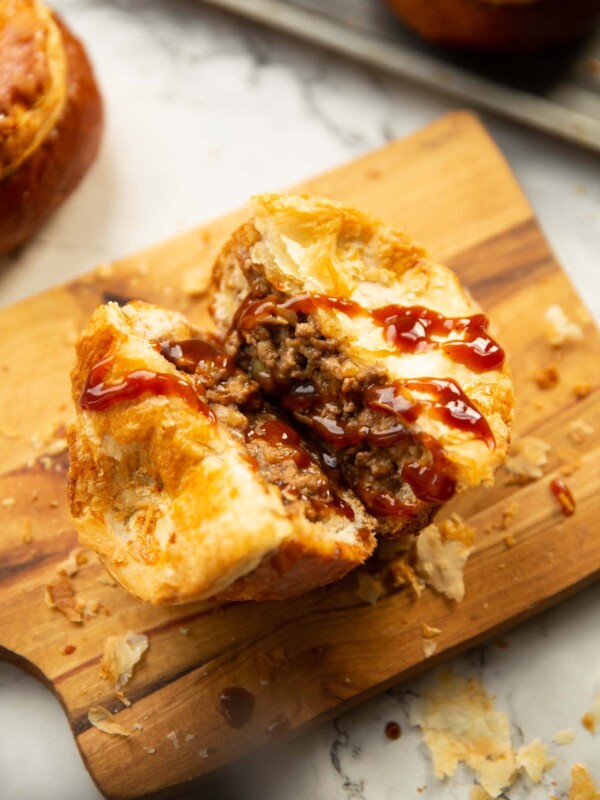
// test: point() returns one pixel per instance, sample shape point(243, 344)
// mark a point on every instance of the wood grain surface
point(311, 656)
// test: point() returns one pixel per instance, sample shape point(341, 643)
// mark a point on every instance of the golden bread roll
point(374, 348)
point(185, 482)
point(499, 26)
point(50, 117)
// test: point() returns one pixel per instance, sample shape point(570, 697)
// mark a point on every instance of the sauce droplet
point(236, 705)
point(393, 730)
point(563, 494)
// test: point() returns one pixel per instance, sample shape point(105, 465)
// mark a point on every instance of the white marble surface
point(202, 111)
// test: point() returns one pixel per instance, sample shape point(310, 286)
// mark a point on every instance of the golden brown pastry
point(185, 482)
point(376, 351)
point(502, 26)
point(50, 117)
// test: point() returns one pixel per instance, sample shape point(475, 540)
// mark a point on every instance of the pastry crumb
point(429, 631)
point(533, 759)
point(8, 502)
point(582, 786)
point(203, 753)
point(566, 736)
point(547, 377)
point(509, 540)
point(559, 328)
point(478, 793)
point(102, 719)
point(67, 649)
point(369, 588)
point(150, 750)
point(508, 515)
point(60, 595)
point(581, 390)
point(196, 282)
point(26, 532)
point(174, 739)
point(429, 647)
point(527, 457)
point(570, 462)
point(460, 724)
point(137, 726)
point(70, 566)
point(442, 551)
point(579, 431)
point(184, 631)
point(121, 654)
point(189, 737)
point(402, 574)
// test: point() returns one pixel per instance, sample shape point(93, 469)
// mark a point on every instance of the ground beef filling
point(307, 375)
point(275, 448)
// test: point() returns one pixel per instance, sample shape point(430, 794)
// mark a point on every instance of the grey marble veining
point(202, 111)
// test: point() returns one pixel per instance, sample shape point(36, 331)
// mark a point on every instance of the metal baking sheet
point(557, 92)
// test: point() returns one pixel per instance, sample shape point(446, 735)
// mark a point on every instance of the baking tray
point(556, 92)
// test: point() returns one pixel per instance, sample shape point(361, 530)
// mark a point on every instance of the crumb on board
point(7, 502)
point(509, 540)
point(581, 390)
point(559, 329)
point(174, 739)
point(579, 431)
point(60, 595)
point(429, 631)
point(70, 566)
point(196, 282)
point(121, 654)
point(565, 736)
point(546, 377)
point(67, 649)
point(369, 587)
point(509, 512)
point(189, 737)
point(528, 456)
point(429, 647)
point(442, 551)
point(203, 753)
point(582, 786)
point(570, 461)
point(150, 750)
point(402, 574)
point(137, 726)
point(101, 718)
point(26, 531)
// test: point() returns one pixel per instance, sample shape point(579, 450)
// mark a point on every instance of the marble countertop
point(202, 111)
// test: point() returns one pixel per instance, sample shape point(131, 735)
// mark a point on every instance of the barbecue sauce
point(98, 394)
point(236, 706)
point(563, 494)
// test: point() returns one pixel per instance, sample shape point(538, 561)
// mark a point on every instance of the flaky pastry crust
point(315, 246)
point(170, 499)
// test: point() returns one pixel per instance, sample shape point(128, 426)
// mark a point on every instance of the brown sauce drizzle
point(254, 311)
point(449, 403)
point(195, 355)
point(563, 494)
point(236, 705)
point(409, 329)
point(98, 394)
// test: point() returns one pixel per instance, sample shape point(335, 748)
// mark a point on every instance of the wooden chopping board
point(312, 656)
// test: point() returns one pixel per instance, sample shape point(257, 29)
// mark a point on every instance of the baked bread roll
point(376, 351)
point(500, 26)
point(185, 482)
point(50, 117)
